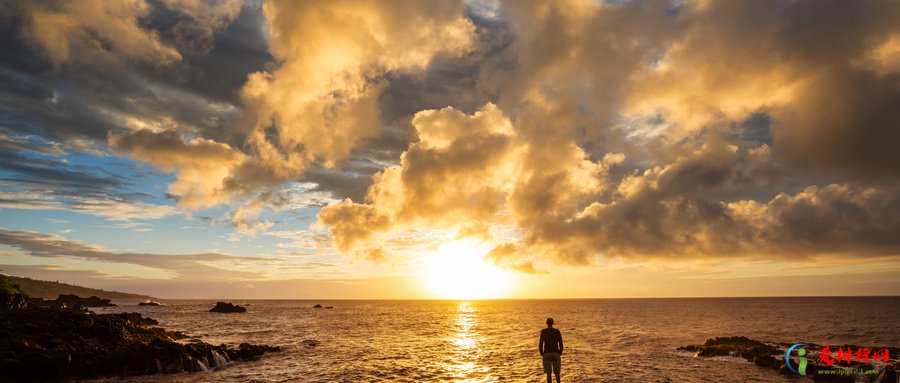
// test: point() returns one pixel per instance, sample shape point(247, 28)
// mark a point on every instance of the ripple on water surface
point(610, 340)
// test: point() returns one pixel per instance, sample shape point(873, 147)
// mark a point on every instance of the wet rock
point(227, 307)
point(72, 300)
point(761, 354)
point(771, 356)
point(136, 319)
point(317, 306)
point(149, 303)
point(247, 351)
point(738, 346)
point(329, 307)
point(50, 344)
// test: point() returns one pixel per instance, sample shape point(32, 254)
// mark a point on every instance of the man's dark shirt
point(551, 341)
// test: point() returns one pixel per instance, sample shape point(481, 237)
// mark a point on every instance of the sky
point(452, 149)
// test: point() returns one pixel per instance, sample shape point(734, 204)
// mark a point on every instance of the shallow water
point(606, 340)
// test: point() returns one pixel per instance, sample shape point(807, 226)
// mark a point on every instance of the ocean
point(606, 340)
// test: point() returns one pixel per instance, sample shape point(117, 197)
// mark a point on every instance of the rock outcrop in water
point(68, 301)
point(754, 351)
point(149, 303)
point(771, 356)
point(56, 343)
point(74, 300)
point(227, 307)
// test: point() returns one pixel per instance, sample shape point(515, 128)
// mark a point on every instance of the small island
point(227, 307)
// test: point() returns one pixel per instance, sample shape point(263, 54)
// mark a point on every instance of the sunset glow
point(457, 270)
point(452, 149)
point(438, 190)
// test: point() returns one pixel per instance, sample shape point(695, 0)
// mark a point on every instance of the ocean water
point(606, 340)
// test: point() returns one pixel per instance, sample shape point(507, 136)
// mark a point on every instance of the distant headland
point(50, 290)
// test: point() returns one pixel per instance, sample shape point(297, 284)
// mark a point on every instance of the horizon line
point(517, 299)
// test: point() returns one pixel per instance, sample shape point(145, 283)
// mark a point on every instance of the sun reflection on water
point(467, 347)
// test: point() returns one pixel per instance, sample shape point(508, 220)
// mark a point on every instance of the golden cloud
point(322, 100)
point(467, 168)
point(92, 30)
point(563, 150)
point(316, 106)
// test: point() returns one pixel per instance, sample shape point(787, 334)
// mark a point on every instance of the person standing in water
point(551, 347)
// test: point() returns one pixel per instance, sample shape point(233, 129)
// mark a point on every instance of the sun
point(457, 270)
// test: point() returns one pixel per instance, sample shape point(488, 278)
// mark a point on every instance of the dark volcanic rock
point(734, 346)
point(54, 304)
point(13, 301)
point(136, 319)
point(74, 300)
point(226, 307)
point(40, 344)
point(149, 303)
point(770, 356)
point(247, 351)
point(317, 306)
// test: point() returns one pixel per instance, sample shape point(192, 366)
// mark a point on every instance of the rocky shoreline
point(58, 341)
point(771, 356)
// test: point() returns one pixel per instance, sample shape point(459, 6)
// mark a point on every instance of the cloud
point(201, 19)
point(92, 30)
point(96, 32)
point(322, 100)
point(837, 218)
point(646, 77)
point(107, 208)
point(641, 129)
point(305, 242)
point(78, 102)
point(38, 181)
point(183, 266)
point(830, 99)
point(479, 168)
point(466, 168)
point(203, 167)
point(246, 218)
point(316, 106)
point(673, 212)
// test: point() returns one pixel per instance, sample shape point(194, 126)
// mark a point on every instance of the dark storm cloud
point(79, 100)
point(349, 181)
point(51, 106)
point(825, 72)
point(238, 50)
point(691, 209)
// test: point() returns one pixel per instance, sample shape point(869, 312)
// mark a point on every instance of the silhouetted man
point(551, 347)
